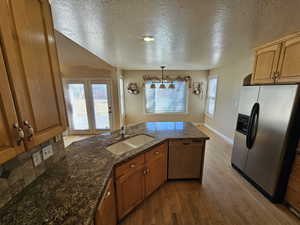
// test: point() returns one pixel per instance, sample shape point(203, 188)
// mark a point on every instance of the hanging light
point(172, 86)
point(162, 85)
point(152, 85)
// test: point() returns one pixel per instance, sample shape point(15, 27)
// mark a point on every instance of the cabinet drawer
point(130, 166)
point(293, 198)
point(156, 152)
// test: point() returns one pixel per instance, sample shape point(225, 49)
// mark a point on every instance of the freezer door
point(248, 97)
point(265, 157)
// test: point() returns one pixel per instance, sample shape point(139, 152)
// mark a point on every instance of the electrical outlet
point(37, 158)
point(47, 152)
point(57, 138)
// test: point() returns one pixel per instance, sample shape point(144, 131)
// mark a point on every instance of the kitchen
point(106, 119)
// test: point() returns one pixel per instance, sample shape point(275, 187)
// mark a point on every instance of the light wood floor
point(224, 198)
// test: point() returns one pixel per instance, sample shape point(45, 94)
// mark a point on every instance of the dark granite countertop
point(69, 192)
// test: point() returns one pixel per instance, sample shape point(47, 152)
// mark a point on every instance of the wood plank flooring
point(224, 198)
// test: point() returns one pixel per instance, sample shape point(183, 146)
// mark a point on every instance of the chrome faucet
point(123, 131)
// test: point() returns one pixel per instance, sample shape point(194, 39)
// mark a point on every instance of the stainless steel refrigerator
point(266, 137)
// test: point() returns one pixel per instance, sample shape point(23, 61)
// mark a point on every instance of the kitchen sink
point(129, 144)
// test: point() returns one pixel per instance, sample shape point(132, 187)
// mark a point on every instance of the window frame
point(168, 113)
point(208, 97)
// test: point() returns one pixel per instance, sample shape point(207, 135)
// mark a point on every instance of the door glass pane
point(78, 110)
point(101, 106)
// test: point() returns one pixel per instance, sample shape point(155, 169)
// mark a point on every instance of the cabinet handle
point(132, 166)
point(156, 153)
point(275, 76)
point(108, 194)
point(186, 143)
point(29, 129)
point(19, 133)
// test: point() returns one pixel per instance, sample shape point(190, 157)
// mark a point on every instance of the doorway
point(89, 105)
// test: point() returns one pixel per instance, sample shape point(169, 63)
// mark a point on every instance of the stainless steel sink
point(129, 144)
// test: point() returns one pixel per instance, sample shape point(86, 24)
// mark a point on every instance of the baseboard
point(227, 139)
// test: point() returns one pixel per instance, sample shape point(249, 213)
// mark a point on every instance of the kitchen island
point(70, 191)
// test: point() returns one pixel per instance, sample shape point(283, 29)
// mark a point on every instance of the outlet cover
point(47, 152)
point(37, 158)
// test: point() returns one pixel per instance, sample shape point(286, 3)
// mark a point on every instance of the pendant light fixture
point(162, 84)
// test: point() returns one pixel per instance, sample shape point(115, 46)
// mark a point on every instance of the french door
point(89, 106)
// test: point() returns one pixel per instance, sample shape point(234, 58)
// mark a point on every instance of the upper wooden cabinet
point(289, 64)
point(30, 56)
point(28, 36)
point(278, 62)
point(10, 143)
point(266, 64)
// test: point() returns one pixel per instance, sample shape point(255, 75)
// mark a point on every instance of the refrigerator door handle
point(252, 126)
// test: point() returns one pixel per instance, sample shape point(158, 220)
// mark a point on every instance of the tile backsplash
point(19, 172)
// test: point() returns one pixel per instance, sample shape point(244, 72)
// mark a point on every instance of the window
point(211, 96)
point(166, 100)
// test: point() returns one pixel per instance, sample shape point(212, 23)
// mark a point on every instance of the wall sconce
point(133, 88)
point(197, 88)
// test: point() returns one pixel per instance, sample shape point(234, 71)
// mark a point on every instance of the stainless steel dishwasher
point(186, 159)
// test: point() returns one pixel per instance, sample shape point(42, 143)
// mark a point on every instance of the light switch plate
point(47, 152)
point(37, 158)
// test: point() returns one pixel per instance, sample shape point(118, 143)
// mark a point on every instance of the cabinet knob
point(145, 172)
point(29, 129)
point(275, 76)
point(19, 133)
point(156, 153)
point(132, 166)
point(108, 194)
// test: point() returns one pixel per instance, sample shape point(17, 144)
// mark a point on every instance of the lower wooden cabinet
point(139, 177)
point(106, 212)
point(293, 189)
point(156, 168)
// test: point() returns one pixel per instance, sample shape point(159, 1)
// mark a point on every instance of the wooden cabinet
point(130, 186)
point(31, 61)
point(266, 63)
point(139, 177)
point(10, 147)
point(107, 212)
point(289, 64)
point(156, 168)
point(278, 62)
point(293, 189)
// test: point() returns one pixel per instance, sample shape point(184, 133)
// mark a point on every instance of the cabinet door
point(266, 63)
point(9, 148)
point(289, 64)
point(29, 43)
point(107, 212)
point(130, 191)
point(156, 168)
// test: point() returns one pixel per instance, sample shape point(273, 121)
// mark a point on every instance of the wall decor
point(197, 88)
point(133, 89)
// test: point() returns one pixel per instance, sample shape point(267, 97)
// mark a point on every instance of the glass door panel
point(77, 107)
point(101, 106)
point(89, 106)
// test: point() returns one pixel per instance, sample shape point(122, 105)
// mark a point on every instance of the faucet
point(123, 131)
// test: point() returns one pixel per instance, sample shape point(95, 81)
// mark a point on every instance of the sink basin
point(129, 144)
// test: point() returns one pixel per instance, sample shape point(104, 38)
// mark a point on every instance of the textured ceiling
point(189, 34)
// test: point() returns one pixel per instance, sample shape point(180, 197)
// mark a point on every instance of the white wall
point(135, 108)
point(230, 79)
